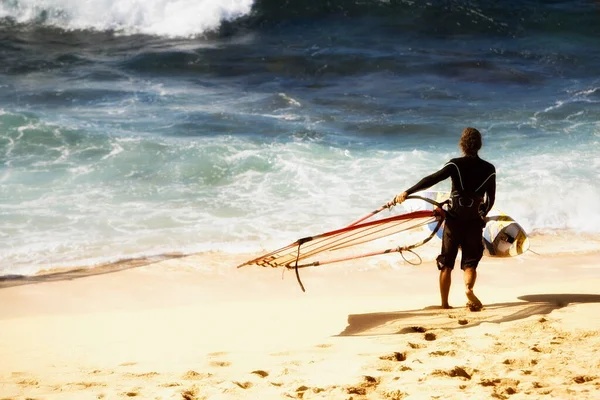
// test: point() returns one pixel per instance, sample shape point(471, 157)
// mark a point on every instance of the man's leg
point(446, 260)
point(470, 276)
point(445, 282)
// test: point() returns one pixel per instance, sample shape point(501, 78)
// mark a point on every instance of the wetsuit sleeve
point(432, 179)
point(490, 190)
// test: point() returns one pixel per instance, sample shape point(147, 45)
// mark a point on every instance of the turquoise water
point(264, 123)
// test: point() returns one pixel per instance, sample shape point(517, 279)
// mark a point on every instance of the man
point(472, 197)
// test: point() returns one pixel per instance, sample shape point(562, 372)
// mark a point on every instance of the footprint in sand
point(501, 385)
point(193, 375)
point(443, 353)
point(28, 382)
point(584, 378)
point(219, 363)
point(526, 372)
point(489, 382)
point(412, 329)
point(301, 390)
point(190, 394)
point(244, 385)
point(456, 372)
point(369, 383)
point(395, 356)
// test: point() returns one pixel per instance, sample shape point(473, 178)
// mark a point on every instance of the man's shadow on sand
point(397, 322)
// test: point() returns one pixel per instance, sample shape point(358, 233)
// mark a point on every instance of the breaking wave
point(188, 18)
point(172, 18)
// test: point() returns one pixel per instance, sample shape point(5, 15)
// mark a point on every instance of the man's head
point(470, 141)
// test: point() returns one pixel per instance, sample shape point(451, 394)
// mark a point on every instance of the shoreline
point(557, 243)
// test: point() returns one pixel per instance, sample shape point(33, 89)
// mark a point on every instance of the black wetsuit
point(468, 174)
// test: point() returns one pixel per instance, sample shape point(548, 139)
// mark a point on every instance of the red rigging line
point(358, 232)
point(343, 238)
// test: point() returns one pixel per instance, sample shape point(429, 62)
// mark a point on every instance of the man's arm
point(423, 184)
point(431, 180)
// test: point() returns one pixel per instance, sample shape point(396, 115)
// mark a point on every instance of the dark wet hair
point(470, 141)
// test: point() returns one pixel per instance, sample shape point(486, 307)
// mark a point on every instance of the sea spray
point(171, 18)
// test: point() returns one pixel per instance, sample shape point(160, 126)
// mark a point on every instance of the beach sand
point(195, 327)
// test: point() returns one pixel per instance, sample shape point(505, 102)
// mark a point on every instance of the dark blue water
point(129, 129)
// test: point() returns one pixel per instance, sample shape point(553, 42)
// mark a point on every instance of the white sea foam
point(308, 189)
point(171, 18)
point(290, 100)
point(115, 149)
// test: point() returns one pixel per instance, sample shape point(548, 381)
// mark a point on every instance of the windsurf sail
point(312, 251)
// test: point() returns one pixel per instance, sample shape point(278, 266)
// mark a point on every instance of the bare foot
point(447, 306)
point(473, 304)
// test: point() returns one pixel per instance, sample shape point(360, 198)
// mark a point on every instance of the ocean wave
point(192, 18)
point(173, 18)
